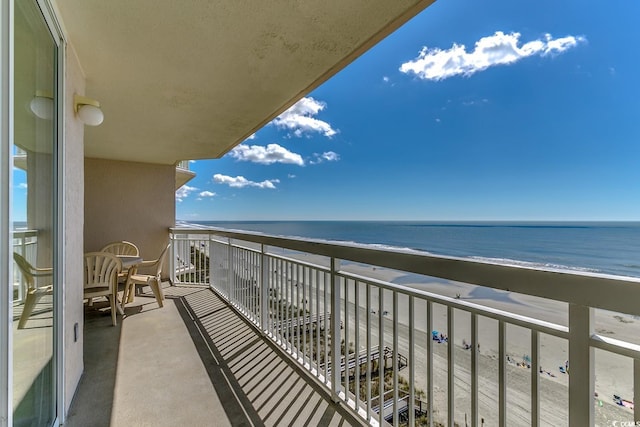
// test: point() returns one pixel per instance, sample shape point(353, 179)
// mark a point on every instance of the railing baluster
point(296, 270)
point(240, 277)
point(369, 361)
point(283, 303)
point(394, 360)
point(270, 293)
point(172, 261)
point(357, 342)
point(278, 298)
point(581, 361)
point(450, 366)
point(211, 260)
point(535, 378)
point(412, 363)
point(264, 290)
point(474, 369)
point(380, 356)
point(335, 331)
point(308, 337)
point(346, 355)
point(502, 374)
point(328, 326)
point(248, 284)
point(429, 346)
point(318, 320)
point(229, 272)
point(289, 281)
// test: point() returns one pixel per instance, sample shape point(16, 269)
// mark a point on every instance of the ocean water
point(601, 247)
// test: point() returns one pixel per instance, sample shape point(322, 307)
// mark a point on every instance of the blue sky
point(471, 111)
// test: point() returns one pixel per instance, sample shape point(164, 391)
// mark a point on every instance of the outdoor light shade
point(88, 110)
point(42, 105)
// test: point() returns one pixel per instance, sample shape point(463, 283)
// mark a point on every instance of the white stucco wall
point(72, 304)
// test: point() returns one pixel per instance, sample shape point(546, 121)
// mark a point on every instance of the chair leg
point(29, 305)
point(112, 300)
point(127, 296)
point(153, 284)
point(160, 289)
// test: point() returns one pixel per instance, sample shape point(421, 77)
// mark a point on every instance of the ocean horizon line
point(433, 221)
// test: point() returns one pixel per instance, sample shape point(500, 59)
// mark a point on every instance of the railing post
point(229, 269)
point(581, 366)
point(210, 248)
point(264, 289)
point(335, 330)
point(172, 260)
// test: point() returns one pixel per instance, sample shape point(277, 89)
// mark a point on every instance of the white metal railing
point(307, 297)
point(183, 164)
point(25, 243)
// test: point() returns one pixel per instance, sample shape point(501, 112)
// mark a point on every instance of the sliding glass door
point(33, 207)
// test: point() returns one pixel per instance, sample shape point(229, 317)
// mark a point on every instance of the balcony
point(467, 343)
point(194, 362)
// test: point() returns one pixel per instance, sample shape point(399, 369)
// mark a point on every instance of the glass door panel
point(33, 214)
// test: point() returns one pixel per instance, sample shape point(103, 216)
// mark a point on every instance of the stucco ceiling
point(191, 79)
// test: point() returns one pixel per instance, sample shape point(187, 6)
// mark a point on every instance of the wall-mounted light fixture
point(88, 110)
point(42, 105)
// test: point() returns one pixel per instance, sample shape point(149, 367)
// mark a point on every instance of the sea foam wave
point(536, 265)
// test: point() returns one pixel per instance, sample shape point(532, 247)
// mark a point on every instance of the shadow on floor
point(253, 383)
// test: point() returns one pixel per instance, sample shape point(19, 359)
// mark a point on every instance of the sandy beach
point(613, 372)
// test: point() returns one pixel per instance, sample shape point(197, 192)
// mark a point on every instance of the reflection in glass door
point(33, 204)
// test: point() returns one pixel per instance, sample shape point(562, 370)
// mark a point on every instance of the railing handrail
point(596, 290)
point(24, 233)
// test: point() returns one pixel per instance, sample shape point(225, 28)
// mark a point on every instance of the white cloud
point(183, 192)
point(327, 156)
point(498, 49)
point(252, 136)
point(23, 186)
point(206, 194)
point(291, 176)
point(241, 182)
point(476, 102)
point(385, 79)
point(330, 156)
point(272, 153)
point(299, 119)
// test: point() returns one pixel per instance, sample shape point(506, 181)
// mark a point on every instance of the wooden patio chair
point(151, 280)
point(32, 276)
point(101, 278)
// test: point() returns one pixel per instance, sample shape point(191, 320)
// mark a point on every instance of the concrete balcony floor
point(194, 362)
